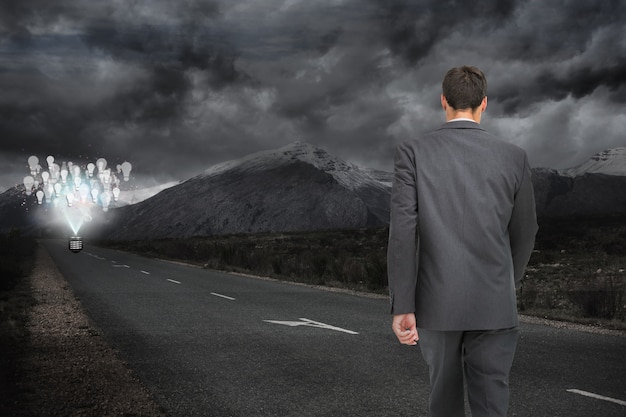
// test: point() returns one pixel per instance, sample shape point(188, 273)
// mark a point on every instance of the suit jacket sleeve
point(403, 236)
point(523, 225)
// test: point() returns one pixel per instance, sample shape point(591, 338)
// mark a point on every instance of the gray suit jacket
point(462, 229)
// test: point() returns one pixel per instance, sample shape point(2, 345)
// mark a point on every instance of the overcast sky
point(175, 86)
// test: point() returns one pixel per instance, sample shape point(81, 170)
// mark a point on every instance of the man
point(462, 230)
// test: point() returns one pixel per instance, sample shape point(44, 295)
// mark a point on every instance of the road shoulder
point(66, 367)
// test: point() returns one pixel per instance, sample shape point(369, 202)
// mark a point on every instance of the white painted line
point(120, 266)
point(223, 296)
point(311, 323)
point(174, 281)
point(145, 272)
point(596, 396)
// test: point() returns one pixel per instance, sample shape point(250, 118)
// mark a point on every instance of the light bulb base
point(75, 244)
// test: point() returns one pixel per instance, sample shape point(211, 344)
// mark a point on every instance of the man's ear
point(444, 103)
point(483, 105)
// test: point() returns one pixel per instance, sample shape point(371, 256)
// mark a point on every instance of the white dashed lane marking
point(223, 296)
point(596, 396)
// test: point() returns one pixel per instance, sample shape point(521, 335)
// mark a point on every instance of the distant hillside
point(295, 188)
point(587, 195)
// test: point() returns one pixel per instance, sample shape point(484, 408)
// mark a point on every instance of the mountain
point(595, 188)
point(294, 188)
point(586, 195)
point(609, 162)
point(302, 187)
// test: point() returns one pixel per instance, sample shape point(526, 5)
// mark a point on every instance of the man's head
point(464, 88)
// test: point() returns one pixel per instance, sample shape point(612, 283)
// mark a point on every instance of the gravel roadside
point(66, 368)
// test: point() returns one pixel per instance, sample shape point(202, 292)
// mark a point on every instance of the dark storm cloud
point(17, 16)
point(412, 29)
point(160, 54)
point(572, 48)
point(579, 82)
point(179, 85)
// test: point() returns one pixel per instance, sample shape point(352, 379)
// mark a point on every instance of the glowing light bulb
point(106, 176)
point(33, 164)
point(77, 181)
point(55, 171)
point(70, 199)
point(48, 191)
point(90, 168)
point(40, 195)
point(50, 161)
point(28, 184)
point(116, 193)
point(126, 168)
point(84, 192)
point(101, 163)
point(64, 173)
point(105, 198)
point(45, 176)
point(57, 188)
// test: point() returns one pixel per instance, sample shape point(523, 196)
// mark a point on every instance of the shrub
point(603, 300)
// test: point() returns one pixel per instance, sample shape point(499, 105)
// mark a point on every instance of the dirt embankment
point(65, 367)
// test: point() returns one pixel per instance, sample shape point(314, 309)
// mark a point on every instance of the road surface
point(208, 343)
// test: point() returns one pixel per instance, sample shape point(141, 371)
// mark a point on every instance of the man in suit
point(462, 230)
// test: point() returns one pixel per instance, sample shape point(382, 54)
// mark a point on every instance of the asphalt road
point(208, 343)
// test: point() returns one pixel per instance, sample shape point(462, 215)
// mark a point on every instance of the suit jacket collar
point(461, 124)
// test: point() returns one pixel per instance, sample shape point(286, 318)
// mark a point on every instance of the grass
point(576, 272)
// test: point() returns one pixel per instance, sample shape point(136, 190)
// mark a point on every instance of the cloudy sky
point(175, 86)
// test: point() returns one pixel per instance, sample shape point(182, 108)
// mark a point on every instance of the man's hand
point(404, 327)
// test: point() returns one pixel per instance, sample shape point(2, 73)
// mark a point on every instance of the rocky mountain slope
point(595, 188)
point(587, 195)
point(298, 187)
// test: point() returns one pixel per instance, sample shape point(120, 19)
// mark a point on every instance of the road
point(208, 343)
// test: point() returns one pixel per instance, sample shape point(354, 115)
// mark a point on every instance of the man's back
point(467, 183)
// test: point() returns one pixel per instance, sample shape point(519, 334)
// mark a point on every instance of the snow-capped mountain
point(608, 162)
point(349, 175)
point(595, 188)
point(297, 187)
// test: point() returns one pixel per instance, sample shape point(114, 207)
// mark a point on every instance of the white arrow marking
point(310, 323)
point(599, 397)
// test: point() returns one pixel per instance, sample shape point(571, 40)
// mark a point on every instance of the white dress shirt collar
point(465, 119)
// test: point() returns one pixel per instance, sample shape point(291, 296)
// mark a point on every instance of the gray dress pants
point(483, 357)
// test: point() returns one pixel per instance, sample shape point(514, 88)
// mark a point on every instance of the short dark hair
point(464, 87)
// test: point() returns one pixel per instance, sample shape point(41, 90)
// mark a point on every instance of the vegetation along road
point(211, 343)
